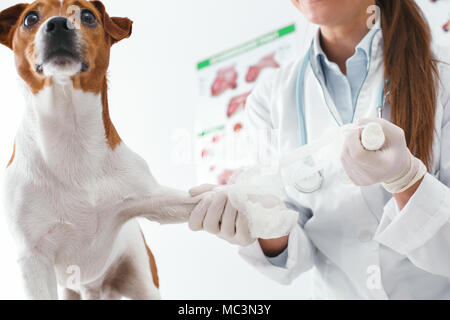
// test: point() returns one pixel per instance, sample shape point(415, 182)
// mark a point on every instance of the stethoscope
point(314, 182)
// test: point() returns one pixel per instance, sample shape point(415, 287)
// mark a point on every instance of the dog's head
point(62, 39)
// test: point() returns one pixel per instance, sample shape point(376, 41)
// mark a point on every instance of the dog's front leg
point(165, 205)
point(39, 277)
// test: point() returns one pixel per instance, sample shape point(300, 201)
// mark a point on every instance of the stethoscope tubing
point(302, 122)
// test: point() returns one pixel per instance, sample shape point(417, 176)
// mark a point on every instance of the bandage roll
point(372, 137)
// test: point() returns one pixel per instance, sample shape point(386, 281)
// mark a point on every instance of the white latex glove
point(216, 215)
point(393, 164)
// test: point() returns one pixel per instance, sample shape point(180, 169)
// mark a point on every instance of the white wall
point(153, 92)
point(437, 13)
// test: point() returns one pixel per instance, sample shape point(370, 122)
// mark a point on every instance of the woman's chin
point(318, 18)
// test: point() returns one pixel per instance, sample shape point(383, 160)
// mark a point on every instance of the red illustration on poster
point(266, 62)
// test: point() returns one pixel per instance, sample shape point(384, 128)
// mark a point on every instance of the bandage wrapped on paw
point(259, 196)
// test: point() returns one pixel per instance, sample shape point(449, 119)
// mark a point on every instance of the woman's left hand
point(393, 164)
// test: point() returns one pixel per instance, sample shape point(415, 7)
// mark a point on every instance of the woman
point(387, 235)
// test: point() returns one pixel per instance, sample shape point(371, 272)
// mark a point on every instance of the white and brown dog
point(73, 188)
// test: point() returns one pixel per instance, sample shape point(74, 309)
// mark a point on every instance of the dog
point(73, 189)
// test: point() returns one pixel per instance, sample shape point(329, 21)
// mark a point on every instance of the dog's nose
point(57, 25)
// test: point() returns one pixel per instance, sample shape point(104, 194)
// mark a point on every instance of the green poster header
point(250, 45)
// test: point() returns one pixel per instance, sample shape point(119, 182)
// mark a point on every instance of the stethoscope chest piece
point(308, 184)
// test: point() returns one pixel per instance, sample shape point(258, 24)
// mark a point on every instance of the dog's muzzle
point(60, 45)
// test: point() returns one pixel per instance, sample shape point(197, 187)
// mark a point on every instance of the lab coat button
point(366, 236)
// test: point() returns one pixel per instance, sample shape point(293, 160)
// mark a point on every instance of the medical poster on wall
point(225, 82)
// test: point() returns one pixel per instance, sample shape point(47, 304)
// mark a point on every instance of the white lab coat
point(358, 243)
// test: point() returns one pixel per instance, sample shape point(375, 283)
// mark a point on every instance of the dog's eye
point(88, 18)
point(31, 19)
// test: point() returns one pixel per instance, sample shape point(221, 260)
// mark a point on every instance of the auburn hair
point(412, 69)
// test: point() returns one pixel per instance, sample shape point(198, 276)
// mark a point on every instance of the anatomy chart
point(225, 82)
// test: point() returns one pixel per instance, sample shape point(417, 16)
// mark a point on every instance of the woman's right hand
point(215, 214)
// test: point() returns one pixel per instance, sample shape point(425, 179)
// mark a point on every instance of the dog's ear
point(117, 28)
point(8, 23)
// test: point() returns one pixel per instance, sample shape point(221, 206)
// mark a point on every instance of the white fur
point(71, 199)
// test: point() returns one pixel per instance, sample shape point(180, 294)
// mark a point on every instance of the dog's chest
point(46, 212)
point(76, 224)
point(77, 215)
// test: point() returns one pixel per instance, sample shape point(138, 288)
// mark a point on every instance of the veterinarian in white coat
point(362, 241)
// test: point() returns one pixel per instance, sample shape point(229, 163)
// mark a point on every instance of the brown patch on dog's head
point(55, 39)
point(10, 33)
point(8, 23)
point(98, 43)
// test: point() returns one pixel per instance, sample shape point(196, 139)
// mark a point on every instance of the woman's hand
point(216, 215)
point(393, 165)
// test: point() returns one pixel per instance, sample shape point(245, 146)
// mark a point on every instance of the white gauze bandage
point(259, 195)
